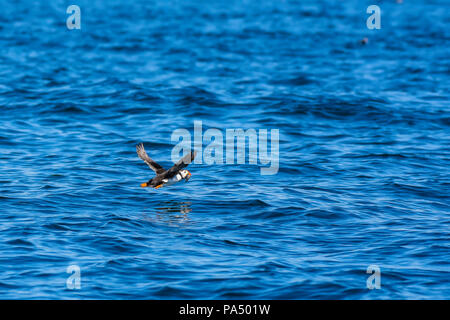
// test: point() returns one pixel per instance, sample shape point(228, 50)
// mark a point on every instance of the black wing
point(144, 156)
point(181, 164)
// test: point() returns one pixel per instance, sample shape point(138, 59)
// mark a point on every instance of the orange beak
point(188, 176)
point(143, 185)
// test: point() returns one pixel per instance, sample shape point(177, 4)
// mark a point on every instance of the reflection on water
point(171, 212)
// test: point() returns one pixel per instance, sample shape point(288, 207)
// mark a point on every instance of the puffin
point(165, 177)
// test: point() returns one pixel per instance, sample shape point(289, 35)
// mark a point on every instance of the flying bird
point(166, 177)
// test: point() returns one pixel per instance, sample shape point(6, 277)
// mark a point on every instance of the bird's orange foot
point(158, 186)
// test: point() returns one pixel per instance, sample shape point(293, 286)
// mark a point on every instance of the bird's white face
point(185, 174)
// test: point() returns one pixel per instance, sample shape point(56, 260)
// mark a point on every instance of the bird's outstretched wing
point(182, 163)
point(144, 156)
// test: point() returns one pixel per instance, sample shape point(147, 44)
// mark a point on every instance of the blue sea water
point(363, 166)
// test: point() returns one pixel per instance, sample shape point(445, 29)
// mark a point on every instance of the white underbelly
point(173, 180)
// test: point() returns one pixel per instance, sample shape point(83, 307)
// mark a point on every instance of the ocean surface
point(364, 150)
